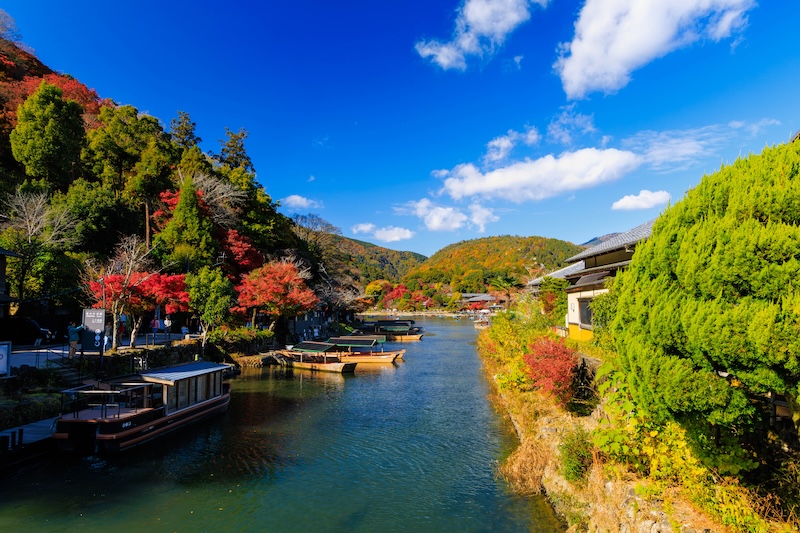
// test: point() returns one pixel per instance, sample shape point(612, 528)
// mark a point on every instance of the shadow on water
point(410, 446)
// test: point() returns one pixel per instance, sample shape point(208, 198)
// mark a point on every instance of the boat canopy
point(354, 341)
point(313, 346)
point(168, 375)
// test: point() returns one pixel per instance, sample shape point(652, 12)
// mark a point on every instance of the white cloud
point(568, 123)
point(386, 234)
point(615, 37)
point(518, 61)
point(296, 201)
point(542, 178)
point(365, 227)
point(480, 216)
point(498, 148)
point(393, 234)
point(481, 26)
point(644, 200)
point(311, 178)
point(436, 217)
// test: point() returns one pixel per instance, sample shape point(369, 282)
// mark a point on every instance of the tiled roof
point(560, 273)
point(617, 242)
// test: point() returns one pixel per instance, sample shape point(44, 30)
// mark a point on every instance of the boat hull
point(338, 367)
point(372, 357)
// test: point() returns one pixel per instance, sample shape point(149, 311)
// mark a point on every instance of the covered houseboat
point(118, 414)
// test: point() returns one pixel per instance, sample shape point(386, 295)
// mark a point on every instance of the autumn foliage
point(277, 289)
point(552, 366)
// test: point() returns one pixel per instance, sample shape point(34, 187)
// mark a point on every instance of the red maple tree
point(278, 289)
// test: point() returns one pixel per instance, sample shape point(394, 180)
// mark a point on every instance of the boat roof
point(354, 341)
point(377, 338)
point(313, 346)
point(168, 375)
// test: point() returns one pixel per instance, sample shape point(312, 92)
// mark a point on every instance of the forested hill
point(465, 262)
point(375, 262)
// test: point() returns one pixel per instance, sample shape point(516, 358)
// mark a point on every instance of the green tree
point(709, 309)
point(211, 296)
point(554, 298)
point(151, 176)
point(34, 228)
point(100, 217)
point(182, 131)
point(186, 240)
point(505, 284)
point(116, 147)
point(49, 137)
point(233, 153)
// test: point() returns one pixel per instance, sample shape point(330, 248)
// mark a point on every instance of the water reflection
point(408, 446)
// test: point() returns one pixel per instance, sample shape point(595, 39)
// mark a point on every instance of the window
point(585, 313)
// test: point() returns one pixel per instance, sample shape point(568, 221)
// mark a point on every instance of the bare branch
point(223, 198)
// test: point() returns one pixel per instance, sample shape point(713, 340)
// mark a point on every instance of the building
point(599, 263)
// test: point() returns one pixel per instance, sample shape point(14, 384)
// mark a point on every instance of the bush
point(552, 367)
point(576, 455)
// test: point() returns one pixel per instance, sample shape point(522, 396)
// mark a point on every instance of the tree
point(187, 238)
point(117, 282)
point(554, 298)
point(8, 27)
point(278, 289)
point(151, 176)
point(49, 137)
point(233, 153)
point(709, 309)
point(33, 228)
point(504, 283)
point(182, 131)
point(116, 146)
point(316, 232)
point(100, 217)
point(211, 295)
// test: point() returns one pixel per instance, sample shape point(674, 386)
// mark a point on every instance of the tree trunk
point(794, 407)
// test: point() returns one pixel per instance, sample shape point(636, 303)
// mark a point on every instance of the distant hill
point(470, 264)
point(599, 240)
point(370, 262)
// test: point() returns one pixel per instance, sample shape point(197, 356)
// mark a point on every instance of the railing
point(78, 399)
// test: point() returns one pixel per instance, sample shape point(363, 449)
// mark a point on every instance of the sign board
point(94, 324)
point(5, 356)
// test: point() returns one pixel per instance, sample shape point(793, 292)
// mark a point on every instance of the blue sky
point(417, 124)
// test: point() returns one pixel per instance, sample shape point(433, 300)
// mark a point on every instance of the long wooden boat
point(298, 357)
point(394, 330)
point(363, 349)
point(119, 414)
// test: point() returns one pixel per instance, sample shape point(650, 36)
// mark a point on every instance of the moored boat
point(362, 349)
point(311, 355)
point(121, 413)
point(394, 330)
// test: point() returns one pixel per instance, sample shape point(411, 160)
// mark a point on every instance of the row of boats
point(120, 413)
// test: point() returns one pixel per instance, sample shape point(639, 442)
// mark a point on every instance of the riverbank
point(601, 498)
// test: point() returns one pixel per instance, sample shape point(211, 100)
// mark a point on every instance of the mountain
point(371, 262)
point(471, 264)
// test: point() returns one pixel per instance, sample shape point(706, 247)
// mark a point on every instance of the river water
point(405, 447)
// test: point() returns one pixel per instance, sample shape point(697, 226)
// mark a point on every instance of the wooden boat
point(482, 323)
point(306, 356)
point(119, 414)
point(394, 330)
point(362, 349)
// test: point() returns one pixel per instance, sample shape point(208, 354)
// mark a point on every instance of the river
point(405, 447)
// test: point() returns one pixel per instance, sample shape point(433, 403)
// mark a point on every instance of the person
point(73, 336)
point(168, 326)
point(107, 337)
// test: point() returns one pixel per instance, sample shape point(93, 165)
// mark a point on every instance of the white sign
point(5, 355)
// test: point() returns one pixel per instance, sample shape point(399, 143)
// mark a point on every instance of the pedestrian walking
point(107, 336)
